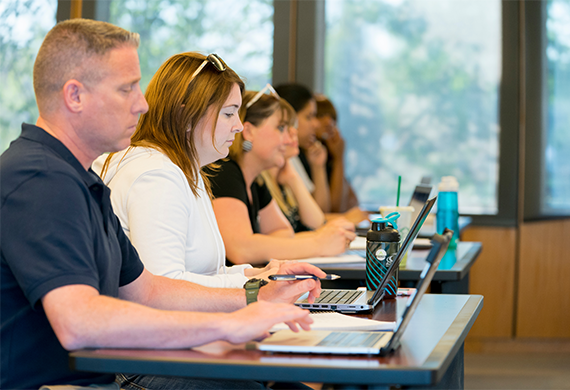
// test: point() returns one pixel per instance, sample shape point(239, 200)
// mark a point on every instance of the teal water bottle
point(382, 244)
point(448, 208)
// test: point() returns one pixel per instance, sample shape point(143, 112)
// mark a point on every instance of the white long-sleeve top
point(175, 233)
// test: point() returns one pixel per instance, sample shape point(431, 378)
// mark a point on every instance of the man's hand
point(290, 291)
point(254, 321)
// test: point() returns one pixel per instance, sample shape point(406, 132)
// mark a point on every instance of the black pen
point(302, 277)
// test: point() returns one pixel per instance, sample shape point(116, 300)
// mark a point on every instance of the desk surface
point(433, 338)
point(454, 266)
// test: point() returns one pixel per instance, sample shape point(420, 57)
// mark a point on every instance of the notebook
point(346, 342)
point(355, 301)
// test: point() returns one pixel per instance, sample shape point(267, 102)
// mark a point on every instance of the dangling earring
point(246, 145)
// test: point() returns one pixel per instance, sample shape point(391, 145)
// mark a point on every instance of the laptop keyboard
point(351, 339)
point(338, 296)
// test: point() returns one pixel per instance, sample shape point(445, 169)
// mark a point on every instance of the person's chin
point(280, 162)
point(121, 145)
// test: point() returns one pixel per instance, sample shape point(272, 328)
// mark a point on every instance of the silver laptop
point(345, 342)
point(419, 197)
point(355, 301)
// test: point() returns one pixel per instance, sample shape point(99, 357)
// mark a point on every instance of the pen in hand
point(301, 277)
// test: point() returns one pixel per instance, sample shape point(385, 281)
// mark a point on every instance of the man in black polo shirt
point(70, 278)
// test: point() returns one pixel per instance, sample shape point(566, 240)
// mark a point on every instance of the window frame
point(299, 34)
point(522, 104)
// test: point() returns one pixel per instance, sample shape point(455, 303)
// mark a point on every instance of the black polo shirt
point(57, 229)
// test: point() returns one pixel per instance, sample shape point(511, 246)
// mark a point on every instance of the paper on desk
point(358, 243)
point(333, 259)
point(419, 243)
point(337, 321)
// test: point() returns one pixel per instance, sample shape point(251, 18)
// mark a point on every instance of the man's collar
point(35, 133)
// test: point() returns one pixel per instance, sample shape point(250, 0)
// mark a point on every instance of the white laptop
point(373, 343)
point(355, 301)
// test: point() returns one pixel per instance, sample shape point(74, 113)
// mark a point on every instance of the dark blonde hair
point(259, 111)
point(176, 105)
point(67, 52)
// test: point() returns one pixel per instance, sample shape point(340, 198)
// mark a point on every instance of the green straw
point(398, 196)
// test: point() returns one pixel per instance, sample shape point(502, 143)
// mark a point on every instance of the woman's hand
point(263, 273)
point(287, 174)
point(335, 236)
point(317, 155)
point(335, 145)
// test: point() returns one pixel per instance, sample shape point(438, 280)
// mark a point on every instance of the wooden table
point(452, 276)
point(431, 353)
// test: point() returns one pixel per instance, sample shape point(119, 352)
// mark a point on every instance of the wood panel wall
point(543, 305)
point(525, 282)
point(493, 276)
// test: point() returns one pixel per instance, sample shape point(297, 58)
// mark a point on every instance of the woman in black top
point(253, 227)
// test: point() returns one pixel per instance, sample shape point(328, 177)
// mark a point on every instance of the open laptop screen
point(440, 244)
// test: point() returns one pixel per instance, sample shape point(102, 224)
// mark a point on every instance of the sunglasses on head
point(258, 95)
point(213, 59)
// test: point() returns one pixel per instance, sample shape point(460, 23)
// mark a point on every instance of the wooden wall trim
point(493, 277)
point(544, 291)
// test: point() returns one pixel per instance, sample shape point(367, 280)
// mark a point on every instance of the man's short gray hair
point(66, 52)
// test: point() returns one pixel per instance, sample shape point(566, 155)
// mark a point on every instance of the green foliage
point(411, 102)
point(242, 34)
point(24, 25)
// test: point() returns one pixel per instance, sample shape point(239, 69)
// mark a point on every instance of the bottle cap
point(390, 219)
point(448, 183)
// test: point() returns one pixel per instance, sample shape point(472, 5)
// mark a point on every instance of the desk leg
point(451, 287)
point(454, 377)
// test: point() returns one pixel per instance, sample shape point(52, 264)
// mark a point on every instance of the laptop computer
point(355, 301)
point(419, 197)
point(373, 343)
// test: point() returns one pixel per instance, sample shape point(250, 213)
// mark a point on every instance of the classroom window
point(556, 186)
point(416, 86)
point(239, 31)
point(23, 28)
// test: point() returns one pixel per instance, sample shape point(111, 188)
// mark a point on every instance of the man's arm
point(82, 318)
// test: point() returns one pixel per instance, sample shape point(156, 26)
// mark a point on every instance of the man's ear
point(249, 131)
point(73, 95)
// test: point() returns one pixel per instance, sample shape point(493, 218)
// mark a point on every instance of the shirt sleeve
point(227, 181)
point(263, 194)
point(54, 245)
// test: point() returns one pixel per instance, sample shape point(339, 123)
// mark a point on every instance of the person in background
point(70, 277)
point(312, 153)
point(329, 165)
point(343, 197)
point(159, 192)
point(287, 188)
point(253, 227)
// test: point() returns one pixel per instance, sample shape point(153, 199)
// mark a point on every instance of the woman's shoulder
point(223, 170)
